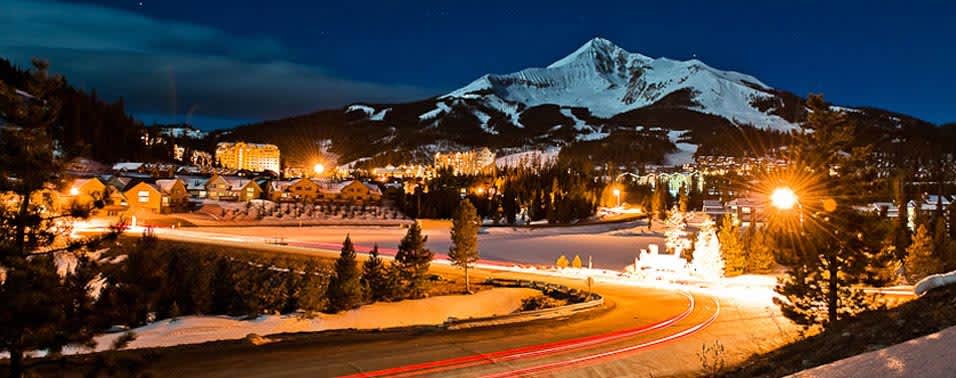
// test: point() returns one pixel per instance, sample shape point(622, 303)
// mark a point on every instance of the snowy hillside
point(608, 81)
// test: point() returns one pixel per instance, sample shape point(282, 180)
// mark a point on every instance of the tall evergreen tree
point(920, 259)
point(707, 262)
point(760, 259)
point(659, 200)
point(375, 276)
point(833, 248)
point(412, 261)
point(951, 211)
point(463, 251)
point(682, 199)
point(901, 231)
point(675, 234)
point(40, 310)
point(731, 247)
point(345, 288)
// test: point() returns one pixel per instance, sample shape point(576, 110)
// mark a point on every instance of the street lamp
point(74, 191)
point(783, 198)
point(617, 195)
point(318, 168)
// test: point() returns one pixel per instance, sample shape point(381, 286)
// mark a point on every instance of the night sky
point(221, 63)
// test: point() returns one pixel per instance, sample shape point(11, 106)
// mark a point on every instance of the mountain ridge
point(600, 101)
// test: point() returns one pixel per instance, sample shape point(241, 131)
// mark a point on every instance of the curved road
point(641, 332)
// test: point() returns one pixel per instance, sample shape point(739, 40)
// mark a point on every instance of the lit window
point(143, 196)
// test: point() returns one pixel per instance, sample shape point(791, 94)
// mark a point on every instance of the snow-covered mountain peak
point(609, 80)
point(598, 51)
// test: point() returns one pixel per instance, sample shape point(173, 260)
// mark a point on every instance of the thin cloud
point(171, 67)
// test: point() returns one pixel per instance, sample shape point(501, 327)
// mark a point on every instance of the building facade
point(255, 157)
point(472, 162)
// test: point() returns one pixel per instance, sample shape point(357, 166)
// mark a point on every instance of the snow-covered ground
point(685, 151)
point(610, 245)
point(930, 356)
point(428, 311)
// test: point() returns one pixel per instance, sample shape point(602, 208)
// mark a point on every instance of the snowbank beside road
point(929, 356)
point(428, 311)
point(934, 281)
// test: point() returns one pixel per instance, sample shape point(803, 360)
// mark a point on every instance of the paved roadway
point(642, 332)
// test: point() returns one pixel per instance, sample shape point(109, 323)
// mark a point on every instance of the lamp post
point(783, 198)
point(617, 195)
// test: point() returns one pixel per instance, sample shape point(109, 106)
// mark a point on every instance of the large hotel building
point(251, 156)
point(472, 162)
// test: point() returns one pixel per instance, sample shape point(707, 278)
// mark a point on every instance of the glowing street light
point(617, 194)
point(318, 168)
point(783, 198)
point(74, 191)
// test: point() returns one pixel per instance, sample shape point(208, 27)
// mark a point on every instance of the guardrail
point(586, 303)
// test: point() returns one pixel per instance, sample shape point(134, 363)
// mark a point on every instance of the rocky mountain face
point(601, 103)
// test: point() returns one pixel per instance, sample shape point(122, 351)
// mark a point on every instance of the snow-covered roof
point(81, 181)
point(166, 185)
point(280, 185)
point(237, 183)
point(194, 182)
point(127, 166)
point(747, 201)
point(337, 187)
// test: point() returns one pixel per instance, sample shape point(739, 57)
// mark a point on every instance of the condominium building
point(251, 156)
point(466, 163)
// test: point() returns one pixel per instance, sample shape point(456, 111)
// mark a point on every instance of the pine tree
point(682, 198)
point(951, 210)
point(412, 262)
point(463, 252)
point(920, 260)
point(40, 310)
point(576, 263)
point(659, 201)
point(375, 276)
point(731, 247)
point(833, 248)
point(675, 234)
point(940, 237)
point(760, 259)
point(562, 262)
point(345, 288)
point(707, 262)
point(901, 231)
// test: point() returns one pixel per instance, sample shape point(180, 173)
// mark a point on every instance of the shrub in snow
point(707, 262)
point(576, 263)
point(124, 340)
point(562, 262)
